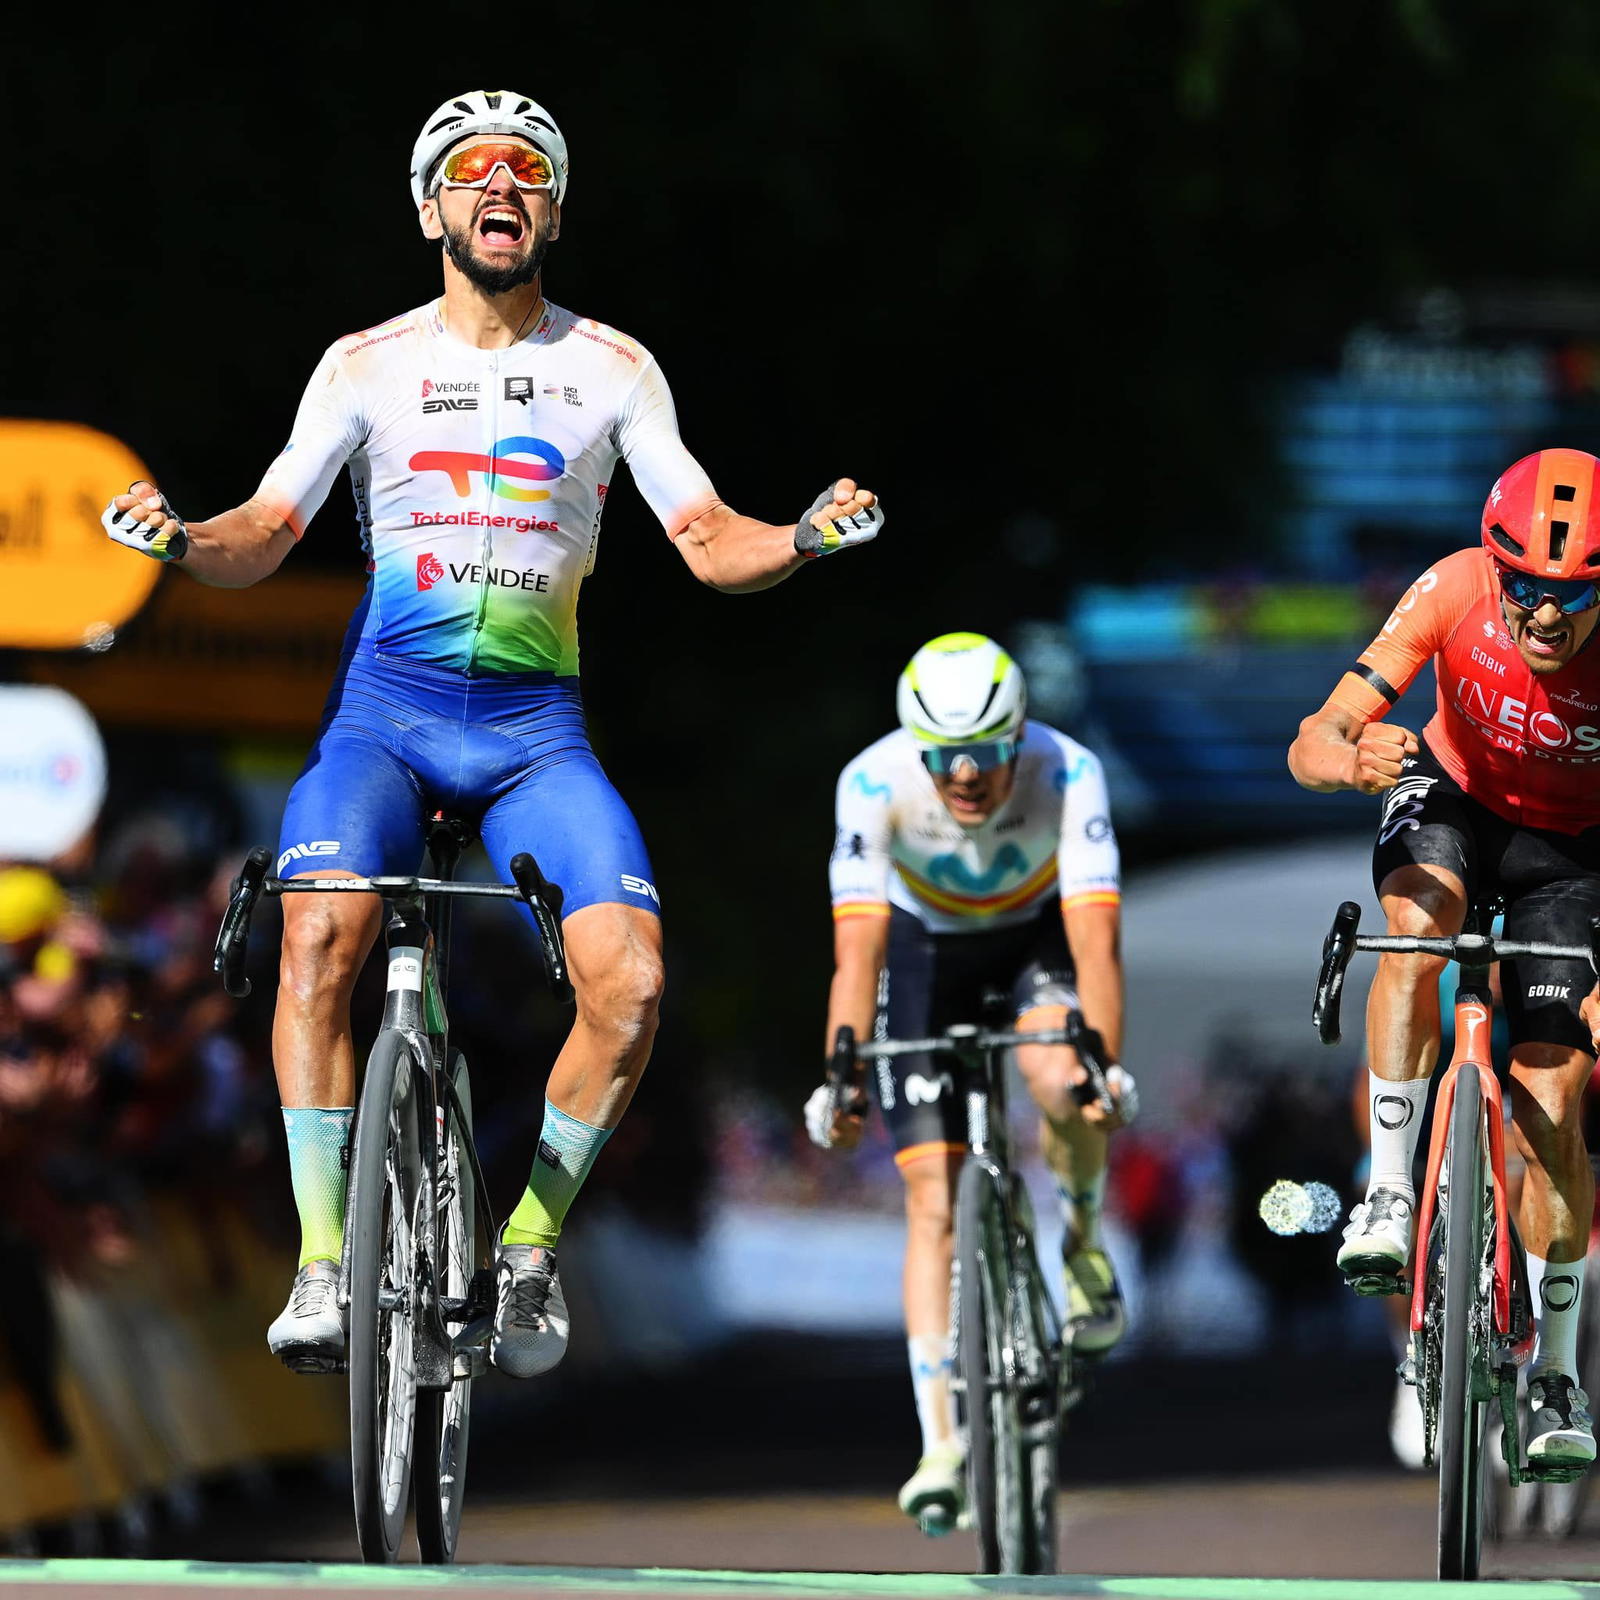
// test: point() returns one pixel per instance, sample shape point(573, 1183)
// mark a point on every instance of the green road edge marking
point(690, 1581)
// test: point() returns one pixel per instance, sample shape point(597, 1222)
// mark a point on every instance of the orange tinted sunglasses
point(473, 167)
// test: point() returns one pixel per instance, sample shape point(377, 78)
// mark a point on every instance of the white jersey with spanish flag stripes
point(897, 845)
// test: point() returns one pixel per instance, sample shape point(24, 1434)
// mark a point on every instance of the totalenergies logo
point(521, 458)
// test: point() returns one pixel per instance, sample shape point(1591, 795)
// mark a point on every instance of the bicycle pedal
point(313, 1366)
point(937, 1521)
point(1378, 1283)
point(1554, 1474)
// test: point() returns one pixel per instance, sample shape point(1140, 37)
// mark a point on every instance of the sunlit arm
point(1323, 755)
point(860, 949)
point(1094, 932)
point(238, 547)
point(736, 554)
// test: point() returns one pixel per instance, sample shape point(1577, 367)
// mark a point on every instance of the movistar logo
point(954, 873)
point(520, 458)
point(873, 791)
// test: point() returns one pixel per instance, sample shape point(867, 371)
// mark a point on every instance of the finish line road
point(1306, 1538)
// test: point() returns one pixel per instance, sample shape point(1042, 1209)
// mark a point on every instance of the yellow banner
point(258, 660)
point(66, 583)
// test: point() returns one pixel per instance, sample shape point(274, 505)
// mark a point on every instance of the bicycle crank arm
point(470, 1348)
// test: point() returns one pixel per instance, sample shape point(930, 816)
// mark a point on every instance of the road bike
point(1015, 1373)
point(416, 1275)
point(1471, 1314)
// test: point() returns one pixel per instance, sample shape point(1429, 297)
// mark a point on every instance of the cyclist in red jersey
point(1500, 796)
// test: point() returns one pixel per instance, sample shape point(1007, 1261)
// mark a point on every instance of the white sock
point(933, 1365)
point(1394, 1113)
point(1557, 1291)
point(1081, 1209)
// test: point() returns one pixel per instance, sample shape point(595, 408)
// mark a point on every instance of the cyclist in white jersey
point(974, 849)
point(481, 433)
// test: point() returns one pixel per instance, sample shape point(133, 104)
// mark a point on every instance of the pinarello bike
point(1471, 1313)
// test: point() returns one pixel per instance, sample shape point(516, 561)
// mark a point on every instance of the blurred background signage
point(224, 661)
point(52, 772)
point(66, 584)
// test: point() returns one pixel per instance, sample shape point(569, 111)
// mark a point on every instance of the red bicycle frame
point(1473, 1021)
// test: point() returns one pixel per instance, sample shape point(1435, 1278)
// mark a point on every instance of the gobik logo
point(429, 570)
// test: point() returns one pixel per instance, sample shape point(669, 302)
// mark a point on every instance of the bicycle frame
point(1474, 1018)
point(414, 1006)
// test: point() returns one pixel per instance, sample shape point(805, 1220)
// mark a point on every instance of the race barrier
point(157, 1378)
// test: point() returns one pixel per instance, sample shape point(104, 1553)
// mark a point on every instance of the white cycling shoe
point(936, 1493)
point(308, 1335)
point(1560, 1429)
point(530, 1318)
point(1377, 1241)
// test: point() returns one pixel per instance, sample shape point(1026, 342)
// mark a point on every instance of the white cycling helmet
point(961, 688)
point(486, 111)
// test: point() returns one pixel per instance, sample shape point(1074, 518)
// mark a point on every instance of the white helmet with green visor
point(963, 700)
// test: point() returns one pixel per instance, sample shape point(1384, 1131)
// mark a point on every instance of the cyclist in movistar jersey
point(1498, 797)
point(481, 432)
point(974, 850)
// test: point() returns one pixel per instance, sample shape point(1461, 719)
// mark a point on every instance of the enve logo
point(429, 570)
point(500, 467)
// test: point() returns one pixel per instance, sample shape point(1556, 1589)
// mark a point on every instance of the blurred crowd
point(126, 1074)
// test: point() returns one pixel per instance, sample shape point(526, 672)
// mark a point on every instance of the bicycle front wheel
point(995, 1474)
point(380, 1224)
point(443, 1415)
point(1038, 1361)
point(1463, 1346)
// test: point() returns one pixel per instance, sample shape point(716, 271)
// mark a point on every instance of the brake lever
point(1091, 1049)
point(233, 936)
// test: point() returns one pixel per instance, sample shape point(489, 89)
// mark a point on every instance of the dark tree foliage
point(1017, 266)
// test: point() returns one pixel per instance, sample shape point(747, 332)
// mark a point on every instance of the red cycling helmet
point(1543, 515)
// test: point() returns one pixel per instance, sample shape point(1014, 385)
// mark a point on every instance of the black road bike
point(1016, 1374)
point(416, 1277)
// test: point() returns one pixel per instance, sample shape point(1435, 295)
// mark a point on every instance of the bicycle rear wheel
point(1462, 1416)
point(444, 1415)
point(380, 1225)
point(995, 1472)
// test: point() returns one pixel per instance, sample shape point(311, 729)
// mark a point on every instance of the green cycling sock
point(319, 1142)
point(567, 1149)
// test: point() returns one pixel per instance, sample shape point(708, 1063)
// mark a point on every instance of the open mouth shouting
point(501, 227)
point(1547, 639)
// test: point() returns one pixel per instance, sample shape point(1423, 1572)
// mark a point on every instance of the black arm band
point(1377, 681)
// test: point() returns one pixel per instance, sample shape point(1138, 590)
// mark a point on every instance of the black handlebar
point(845, 1064)
point(542, 897)
point(1337, 949)
point(1471, 949)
